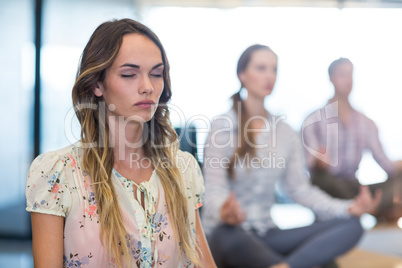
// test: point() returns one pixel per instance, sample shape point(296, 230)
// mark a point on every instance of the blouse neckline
point(151, 201)
point(124, 179)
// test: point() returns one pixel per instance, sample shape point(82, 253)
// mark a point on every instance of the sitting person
point(241, 167)
point(124, 195)
point(333, 155)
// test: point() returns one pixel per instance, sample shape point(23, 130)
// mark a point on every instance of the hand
point(364, 202)
point(398, 166)
point(322, 162)
point(231, 213)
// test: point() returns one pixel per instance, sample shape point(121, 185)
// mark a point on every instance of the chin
point(346, 92)
point(139, 118)
point(266, 93)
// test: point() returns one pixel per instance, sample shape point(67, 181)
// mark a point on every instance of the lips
point(145, 104)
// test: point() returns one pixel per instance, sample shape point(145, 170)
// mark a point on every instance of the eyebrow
point(138, 67)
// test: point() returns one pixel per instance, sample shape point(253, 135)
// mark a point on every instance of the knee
point(353, 229)
point(225, 237)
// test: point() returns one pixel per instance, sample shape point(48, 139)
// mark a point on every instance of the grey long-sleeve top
point(279, 159)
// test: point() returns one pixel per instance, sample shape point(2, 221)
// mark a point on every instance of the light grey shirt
point(279, 159)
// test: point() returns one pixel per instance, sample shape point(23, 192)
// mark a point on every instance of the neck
point(343, 101)
point(255, 106)
point(126, 140)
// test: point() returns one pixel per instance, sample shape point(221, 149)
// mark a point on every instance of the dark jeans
point(305, 247)
point(348, 188)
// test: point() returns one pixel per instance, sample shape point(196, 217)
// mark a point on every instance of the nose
point(146, 86)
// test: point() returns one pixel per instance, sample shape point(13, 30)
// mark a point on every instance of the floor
point(358, 258)
point(381, 247)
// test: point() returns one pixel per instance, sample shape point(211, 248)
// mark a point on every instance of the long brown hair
point(160, 143)
point(246, 138)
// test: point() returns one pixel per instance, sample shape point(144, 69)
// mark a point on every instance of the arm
point(48, 200)
point(231, 212)
point(221, 203)
point(47, 240)
point(312, 141)
point(217, 188)
point(299, 187)
point(377, 150)
point(202, 246)
point(302, 191)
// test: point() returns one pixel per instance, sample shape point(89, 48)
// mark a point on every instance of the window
point(16, 119)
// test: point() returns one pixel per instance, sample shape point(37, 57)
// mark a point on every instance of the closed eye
point(127, 75)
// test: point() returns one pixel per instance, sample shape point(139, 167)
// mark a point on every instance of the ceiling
point(273, 3)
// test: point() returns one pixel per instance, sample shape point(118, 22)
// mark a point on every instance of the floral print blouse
point(58, 185)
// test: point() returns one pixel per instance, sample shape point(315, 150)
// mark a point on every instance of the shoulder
point(55, 160)
point(315, 116)
point(279, 122)
point(362, 118)
point(226, 120)
point(188, 166)
point(47, 187)
point(59, 153)
point(192, 177)
point(280, 127)
point(185, 161)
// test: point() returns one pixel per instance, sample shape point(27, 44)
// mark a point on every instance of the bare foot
point(280, 265)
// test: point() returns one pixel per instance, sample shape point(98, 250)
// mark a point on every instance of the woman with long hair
point(247, 153)
point(124, 195)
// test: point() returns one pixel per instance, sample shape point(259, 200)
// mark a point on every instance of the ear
point(331, 78)
point(99, 89)
point(242, 78)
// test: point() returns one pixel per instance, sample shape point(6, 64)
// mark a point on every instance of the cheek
point(253, 78)
point(261, 78)
point(118, 93)
point(161, 84)
point(346, 81)
point(158, 88)
point(274, 76)
point(114, 87)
